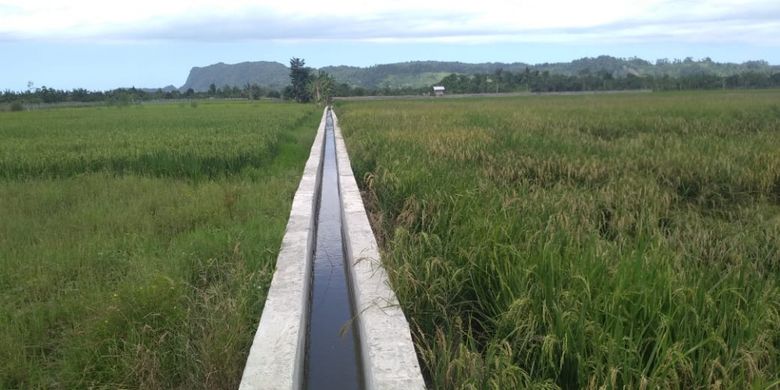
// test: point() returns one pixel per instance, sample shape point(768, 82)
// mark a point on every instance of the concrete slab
point(389, 359)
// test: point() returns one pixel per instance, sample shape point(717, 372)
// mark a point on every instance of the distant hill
point(425, 73)
point(410, 74)
point(267, 74)
point(620, 67)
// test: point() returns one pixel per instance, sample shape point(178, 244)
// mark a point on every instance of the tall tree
point(300, 76)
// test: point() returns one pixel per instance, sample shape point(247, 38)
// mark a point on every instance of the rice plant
point(137, 243)
point(627, 241)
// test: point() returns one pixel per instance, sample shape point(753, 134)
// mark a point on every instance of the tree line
point(308, 85)
point(536, 81)
point(133, 95)
point(501, 81)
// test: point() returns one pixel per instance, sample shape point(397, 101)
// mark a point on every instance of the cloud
point(605, 21)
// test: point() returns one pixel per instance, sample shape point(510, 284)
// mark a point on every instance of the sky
point(145, 43)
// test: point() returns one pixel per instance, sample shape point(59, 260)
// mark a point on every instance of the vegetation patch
point(137, 244)
point(580, 241)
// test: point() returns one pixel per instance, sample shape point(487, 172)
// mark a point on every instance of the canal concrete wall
point(389, 359)
point(276, 358)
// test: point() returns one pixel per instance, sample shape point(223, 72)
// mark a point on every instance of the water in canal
point(332, 352)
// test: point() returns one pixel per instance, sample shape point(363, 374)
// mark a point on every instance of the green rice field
point(598, 241)
point(137, 243)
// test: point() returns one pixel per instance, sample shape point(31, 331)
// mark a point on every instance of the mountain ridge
point(268, 74)
point(416, 74)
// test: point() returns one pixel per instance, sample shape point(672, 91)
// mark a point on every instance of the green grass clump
point(16, 106)
point(137, 244)
point(603, 241)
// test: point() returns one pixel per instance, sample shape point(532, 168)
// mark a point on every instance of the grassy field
point(605, 241)
point(137, 243)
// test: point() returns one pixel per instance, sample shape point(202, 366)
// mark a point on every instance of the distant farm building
point(438, 90)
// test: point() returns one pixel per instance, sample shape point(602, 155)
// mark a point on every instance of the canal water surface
point(332, 351)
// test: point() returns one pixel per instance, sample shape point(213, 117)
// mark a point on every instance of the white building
point(438, 90)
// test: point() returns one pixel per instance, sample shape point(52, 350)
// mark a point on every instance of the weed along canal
point(332, 360)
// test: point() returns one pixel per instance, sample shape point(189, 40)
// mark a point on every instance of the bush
point(17, 106)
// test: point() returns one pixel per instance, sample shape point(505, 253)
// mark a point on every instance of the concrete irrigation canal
point(331, 320)
point(331, 355)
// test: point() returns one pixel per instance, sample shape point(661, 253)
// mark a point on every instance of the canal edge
point(387, 350)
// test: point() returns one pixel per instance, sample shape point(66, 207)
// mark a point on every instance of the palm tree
point(321, 88)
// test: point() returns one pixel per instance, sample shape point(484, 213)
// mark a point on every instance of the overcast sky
point(107, 44)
